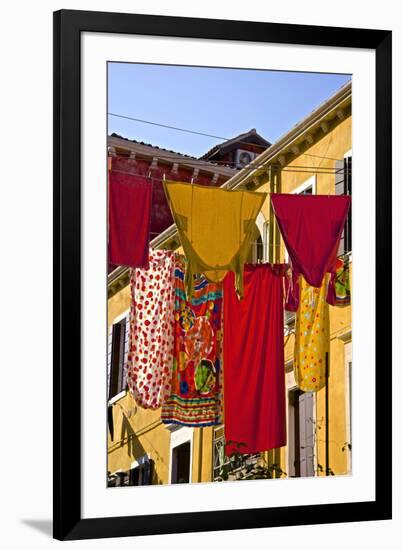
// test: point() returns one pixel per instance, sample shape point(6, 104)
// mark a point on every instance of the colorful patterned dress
point(312, 336)
point(150, 355)
point(197, 365)
point(339, 285)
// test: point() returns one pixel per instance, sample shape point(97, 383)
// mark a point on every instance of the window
point(301, 434)
point(225, 468)
point(181, 463)
point(140, 474)
point(343, 186)
point(257, 251)
point(181, 451)
point(117, 357)
point(306, 188)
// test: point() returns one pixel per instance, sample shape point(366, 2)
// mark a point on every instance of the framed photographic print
point(206, 374)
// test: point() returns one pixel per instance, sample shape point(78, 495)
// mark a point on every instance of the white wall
point(26, 231)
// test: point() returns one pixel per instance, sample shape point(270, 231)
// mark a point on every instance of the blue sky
point(222, 102)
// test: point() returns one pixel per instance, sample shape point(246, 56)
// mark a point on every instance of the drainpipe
point(271, 217)
point(278, 189)
point(200, 445)
point(326, 414)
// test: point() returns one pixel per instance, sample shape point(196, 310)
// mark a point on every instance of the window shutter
point(109, 358)
point(340, 190)
point(115, 360)
point(348, 191)
point(302, 434)
point(343, 186)
point(306, 409)
point(126, 349)
point(309, 399)
point(110, 421)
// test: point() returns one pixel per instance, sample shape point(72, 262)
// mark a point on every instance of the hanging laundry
point(312, 336)
point(197, 365)
point(292, 290)
point(129, 218)
point(150, 357)
point(311, 226)
point(254, 373)
point(339, 284)
point(216, 228)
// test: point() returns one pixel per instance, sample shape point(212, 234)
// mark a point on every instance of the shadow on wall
point(134, 447)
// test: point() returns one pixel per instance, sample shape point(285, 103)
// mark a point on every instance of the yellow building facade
point(314, 157)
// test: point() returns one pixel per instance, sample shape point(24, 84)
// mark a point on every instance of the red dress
point(311, 226)
point(254, 374)
point(129, 218)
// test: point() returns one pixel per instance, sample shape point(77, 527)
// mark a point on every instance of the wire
point(181, 129)
point(196, 132)
point(249, 165)
point(153, 178)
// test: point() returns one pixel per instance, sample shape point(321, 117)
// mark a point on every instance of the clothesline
point(181, 330)
point(196, 132)
point(226, 163)
point(153, 178)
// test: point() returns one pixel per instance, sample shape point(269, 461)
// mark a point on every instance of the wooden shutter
point(109, 358)
point(110, 421)
point(348, 191)
point(340, 190)
point(118, 357)
point(115, 360)
point(343, 186)
point(306, 434)
point(125, 352)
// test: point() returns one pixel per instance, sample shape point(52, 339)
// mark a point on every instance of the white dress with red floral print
point(150, 359)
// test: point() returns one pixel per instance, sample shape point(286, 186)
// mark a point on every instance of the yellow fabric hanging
point(312, 336)
point(216, 228)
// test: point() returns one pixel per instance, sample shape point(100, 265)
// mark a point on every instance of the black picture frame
point(68, 26)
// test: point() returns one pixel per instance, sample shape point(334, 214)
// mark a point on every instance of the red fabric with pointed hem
point(129, 218)
point(253, 367)
point(311, 226)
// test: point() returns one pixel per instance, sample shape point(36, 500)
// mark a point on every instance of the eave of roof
point(164, 155)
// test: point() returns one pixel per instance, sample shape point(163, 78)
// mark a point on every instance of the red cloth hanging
point(253, 366)
point(311, 226)
point(129, 217)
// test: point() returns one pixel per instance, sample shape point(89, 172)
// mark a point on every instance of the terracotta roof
point(153, 146)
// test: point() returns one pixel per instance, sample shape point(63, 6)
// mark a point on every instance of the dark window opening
point(181, 463)
point(117, 374)
point(140, 475)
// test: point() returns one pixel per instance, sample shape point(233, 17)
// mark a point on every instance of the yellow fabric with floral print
point(312, 336)
point(216, 228)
